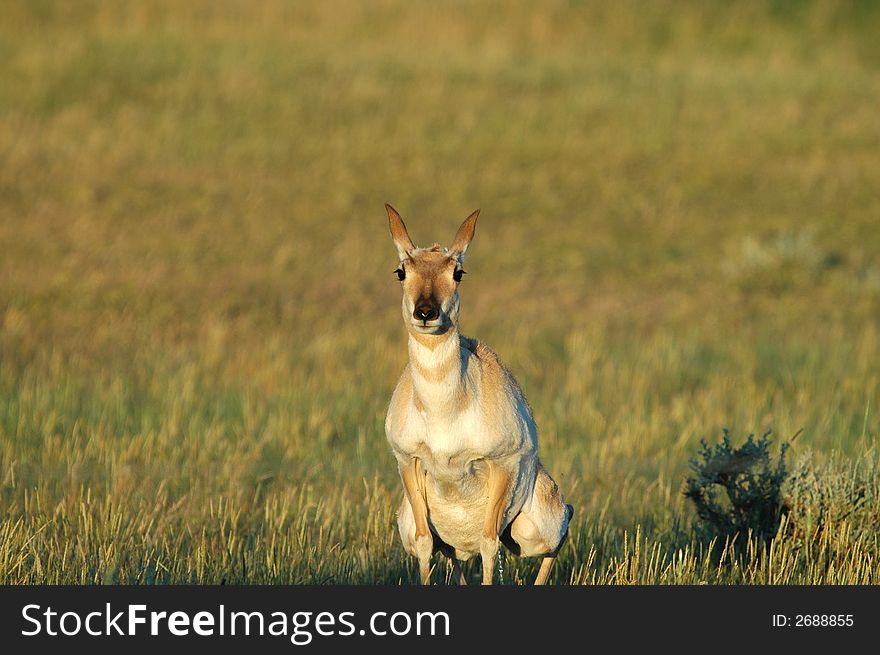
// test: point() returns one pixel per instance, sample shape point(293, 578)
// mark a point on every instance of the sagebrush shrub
point(835, 502)
point(738, 490)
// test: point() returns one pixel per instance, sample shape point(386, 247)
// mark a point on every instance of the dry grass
point(200, 328)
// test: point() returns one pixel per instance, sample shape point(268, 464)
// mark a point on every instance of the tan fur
point(461, 428)
point(434, 374)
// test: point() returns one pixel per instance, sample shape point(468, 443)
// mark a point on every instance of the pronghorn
point(462, 431)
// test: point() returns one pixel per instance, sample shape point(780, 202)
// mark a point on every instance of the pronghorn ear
point(398, 233)
point(465, 234)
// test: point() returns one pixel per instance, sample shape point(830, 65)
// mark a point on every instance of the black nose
point(426, 310)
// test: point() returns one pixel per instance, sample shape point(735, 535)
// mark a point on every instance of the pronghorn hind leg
point(413, 477)
point(544, 572)
point(542, 528)
point(549, 560)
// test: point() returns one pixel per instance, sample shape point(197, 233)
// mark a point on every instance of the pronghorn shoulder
point(495, 373)
point(488, 358)
point(401, 399)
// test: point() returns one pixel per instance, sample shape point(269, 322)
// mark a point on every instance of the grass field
point(199, 325)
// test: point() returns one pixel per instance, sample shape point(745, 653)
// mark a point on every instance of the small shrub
point(738, 490)
point(835, 503)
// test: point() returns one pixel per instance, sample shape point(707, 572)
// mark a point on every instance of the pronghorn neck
point(436, 369)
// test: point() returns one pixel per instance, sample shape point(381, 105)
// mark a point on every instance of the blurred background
point(199, 324)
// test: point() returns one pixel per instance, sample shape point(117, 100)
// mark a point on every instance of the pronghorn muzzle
point(426, 309)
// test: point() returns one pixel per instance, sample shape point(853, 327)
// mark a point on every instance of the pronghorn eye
point(457, 274)
point(401, 274)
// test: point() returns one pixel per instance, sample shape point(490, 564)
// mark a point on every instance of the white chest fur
point(454, 411)
point(448, 446)
point(446, 417)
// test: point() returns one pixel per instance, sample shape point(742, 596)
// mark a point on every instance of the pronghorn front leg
point(499, 490)
point(413, 476)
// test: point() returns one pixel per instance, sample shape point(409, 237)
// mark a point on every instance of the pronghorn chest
point(443, 422)
point(450, 446)
point(454, 452)
point(445, 417)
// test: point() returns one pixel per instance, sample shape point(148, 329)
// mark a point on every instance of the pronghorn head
point(430, 276)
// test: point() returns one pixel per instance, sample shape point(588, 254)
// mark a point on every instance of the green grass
point(200, 329)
